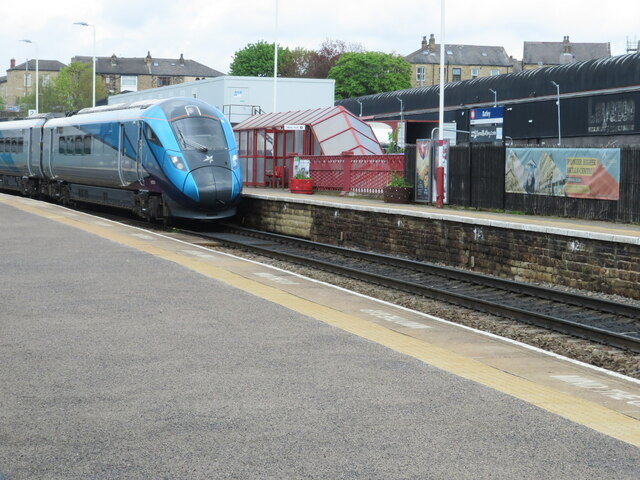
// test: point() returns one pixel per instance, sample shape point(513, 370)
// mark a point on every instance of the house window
point(164, 81)
point(129, 82)
point(474, 73)
point(456, 74)
point(420, 74)
point(495, 72)
point(27, 79)
point(46, 79)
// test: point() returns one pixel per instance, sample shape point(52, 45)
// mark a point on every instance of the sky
point(211, 31)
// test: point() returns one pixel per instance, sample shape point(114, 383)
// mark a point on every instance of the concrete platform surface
point(127, 354)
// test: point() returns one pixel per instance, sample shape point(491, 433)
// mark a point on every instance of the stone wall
point(595, 265)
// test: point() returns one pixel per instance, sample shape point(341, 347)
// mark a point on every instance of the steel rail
point(271, 245)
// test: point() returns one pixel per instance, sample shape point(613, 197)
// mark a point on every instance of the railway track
point(591, 318)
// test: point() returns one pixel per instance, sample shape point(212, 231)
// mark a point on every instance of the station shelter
point(268, 142)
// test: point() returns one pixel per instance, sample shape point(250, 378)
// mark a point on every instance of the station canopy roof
point(336, 129)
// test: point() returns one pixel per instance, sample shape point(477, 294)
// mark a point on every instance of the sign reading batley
point(486, 124)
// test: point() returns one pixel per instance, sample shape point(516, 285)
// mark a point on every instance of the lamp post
point(401, 108)
point(85, 24)
point(360, 106)
point(495, 97)
point(37, 91)
point(558, 104)
point(275, 63)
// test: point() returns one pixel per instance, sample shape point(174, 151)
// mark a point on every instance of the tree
point(72, 89)
point(326, 57)
point(358, 74)
point(256, 60)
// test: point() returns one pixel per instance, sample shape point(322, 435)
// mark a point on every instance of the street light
point(85, 24)
point(360, 106)
point(401, 109)
point(495, 97)
point(37, 91)
point(558, 104)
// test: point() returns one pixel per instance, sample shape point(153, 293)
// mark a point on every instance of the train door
point(128, 152)
point(139, 167)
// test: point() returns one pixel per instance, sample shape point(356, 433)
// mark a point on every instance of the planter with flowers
point(397, 190)
point(301, 183)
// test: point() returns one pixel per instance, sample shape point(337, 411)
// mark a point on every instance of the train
point(161, 159)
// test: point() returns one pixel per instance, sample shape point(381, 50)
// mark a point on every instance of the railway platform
point(132, 354)
point(598, 230)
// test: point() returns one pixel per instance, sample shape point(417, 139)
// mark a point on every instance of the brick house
point(134, 74)
point(462, 62)
point(547, 54)
point(20, 79)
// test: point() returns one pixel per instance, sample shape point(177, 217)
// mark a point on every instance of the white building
point(242, 97)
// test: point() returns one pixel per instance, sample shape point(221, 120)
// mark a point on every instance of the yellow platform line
point(583, 412)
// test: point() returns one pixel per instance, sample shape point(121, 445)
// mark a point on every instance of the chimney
point(114, 60)
point(432, 43)
point(147, 60)
point(424, 42)
point(566, 45)
point(182, 59)
point(12, 63)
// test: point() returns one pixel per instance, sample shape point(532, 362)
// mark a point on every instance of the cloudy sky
point(211, 31)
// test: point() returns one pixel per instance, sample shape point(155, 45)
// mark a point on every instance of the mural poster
point(564, 172)
point(423, 171)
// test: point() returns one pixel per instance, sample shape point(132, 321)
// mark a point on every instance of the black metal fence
point(477, 180)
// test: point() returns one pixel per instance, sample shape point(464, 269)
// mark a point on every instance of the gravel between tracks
point(610, 358)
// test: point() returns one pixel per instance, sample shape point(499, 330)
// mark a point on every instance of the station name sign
point(294, 127)
point(480, 116)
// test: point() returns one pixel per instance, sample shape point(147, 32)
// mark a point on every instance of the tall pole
point(558, 104)
point(85, 24)
point(275, 64)
point(441, 106)
point(37, 58)
point(495, 97)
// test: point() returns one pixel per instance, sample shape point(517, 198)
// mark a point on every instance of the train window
point(20, 145)
point(14, 145)
point(62, 145)
point(71, 146)
point(87, 145)
point(200, 133)
point(151, 135)
point(79, 145)
point(1, 145)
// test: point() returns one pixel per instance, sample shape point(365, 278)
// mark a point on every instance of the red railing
point(352, 173)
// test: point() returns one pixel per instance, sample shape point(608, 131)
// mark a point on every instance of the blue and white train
point(159, 158)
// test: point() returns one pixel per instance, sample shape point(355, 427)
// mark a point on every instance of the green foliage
point(301, 175)
point(358, 74)
point(72, 89)
point(256, 60)
point(397, 180)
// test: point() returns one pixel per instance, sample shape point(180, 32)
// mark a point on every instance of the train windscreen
point(201, 134)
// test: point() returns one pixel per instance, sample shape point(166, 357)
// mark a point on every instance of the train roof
point(611, 73)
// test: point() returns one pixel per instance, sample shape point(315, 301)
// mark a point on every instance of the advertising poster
point(423, 171)
point(575, 173)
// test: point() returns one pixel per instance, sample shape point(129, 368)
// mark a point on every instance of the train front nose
point(210, 186)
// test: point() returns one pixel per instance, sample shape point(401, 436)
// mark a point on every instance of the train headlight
point(234, 161)
point(177, 162)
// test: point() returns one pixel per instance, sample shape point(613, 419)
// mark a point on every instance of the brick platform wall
point(593, 265)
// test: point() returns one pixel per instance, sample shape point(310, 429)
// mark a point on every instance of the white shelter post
point(275, 64)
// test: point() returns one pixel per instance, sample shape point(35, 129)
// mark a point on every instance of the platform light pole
point(495, 97)
point(558, 104)
point(441, 106)
point(359, 102)
point(85, 24)
point(275, 63)
point(37, 59)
